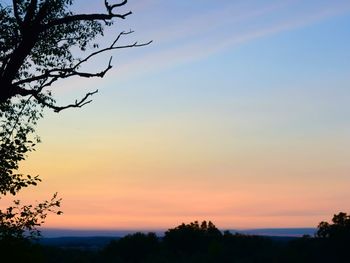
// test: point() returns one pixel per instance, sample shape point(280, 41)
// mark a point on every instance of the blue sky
point(238, 112)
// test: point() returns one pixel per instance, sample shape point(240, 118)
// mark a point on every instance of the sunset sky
point(238, 112)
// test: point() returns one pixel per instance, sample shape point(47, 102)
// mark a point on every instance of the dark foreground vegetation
point(196, 242)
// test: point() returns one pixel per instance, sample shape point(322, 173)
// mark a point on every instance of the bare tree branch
point(68, 72)
point(111, 7)
point(112, 47)
point(83, 17)
point(77, 104)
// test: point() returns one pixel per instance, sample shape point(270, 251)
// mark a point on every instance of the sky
point(238, 113)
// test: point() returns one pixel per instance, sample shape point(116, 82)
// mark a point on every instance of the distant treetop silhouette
point(339, 229)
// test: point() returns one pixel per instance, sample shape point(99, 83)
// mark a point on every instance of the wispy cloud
point(196, 42)
point(202, 23)
point(205, 34)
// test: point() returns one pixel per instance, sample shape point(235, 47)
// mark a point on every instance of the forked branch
point(23, 74)
point(77, 104)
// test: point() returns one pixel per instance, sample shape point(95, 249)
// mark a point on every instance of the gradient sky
point(237, 113)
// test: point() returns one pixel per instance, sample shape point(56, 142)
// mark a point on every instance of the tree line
point(197, 242)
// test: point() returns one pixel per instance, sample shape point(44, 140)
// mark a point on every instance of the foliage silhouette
point(17, 138)
point(340, 229)
point(16, 141)
point(335, 236)
point(208, 245)
point(190, 238)
point(41, 43)
point(195, 242)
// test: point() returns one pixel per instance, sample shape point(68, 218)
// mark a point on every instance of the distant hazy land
point(287, 232)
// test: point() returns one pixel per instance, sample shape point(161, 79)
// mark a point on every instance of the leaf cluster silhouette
point(17, 139)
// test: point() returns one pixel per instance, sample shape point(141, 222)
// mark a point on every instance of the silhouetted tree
point(192, 238)
point(340, 229)
point(334, 238)
point(39, 42)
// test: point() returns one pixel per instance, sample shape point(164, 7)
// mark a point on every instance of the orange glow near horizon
point(243, 120)
point(120, 183)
